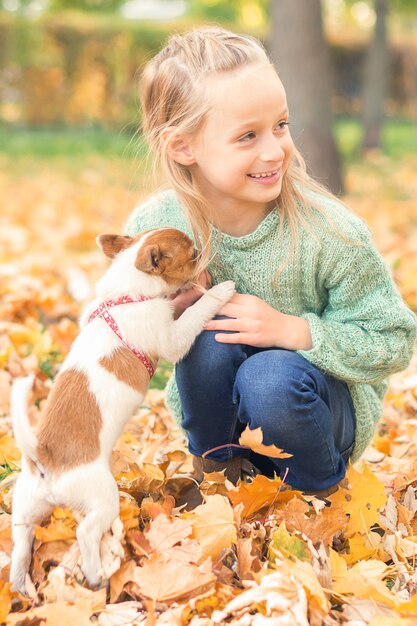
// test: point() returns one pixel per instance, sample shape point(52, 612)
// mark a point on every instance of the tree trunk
point(301, 56)
point(376, 79)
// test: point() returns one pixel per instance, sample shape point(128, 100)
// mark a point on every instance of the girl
point(304, 348)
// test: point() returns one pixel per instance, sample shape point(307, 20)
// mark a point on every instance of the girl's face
point(243, 150)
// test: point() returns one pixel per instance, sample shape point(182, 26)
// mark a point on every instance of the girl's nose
point(272, 149)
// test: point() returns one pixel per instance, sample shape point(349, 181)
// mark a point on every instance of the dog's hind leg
point(27, 510)
point(103, 509)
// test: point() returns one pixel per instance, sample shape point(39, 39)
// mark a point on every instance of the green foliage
point(160, 378)
point(6, 469)
point(82, 69)
point(252, 14)
point(107, 6)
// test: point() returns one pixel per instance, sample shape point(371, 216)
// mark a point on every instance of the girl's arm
point(364, 334)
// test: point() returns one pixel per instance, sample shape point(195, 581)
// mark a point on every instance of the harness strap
point(103, 312)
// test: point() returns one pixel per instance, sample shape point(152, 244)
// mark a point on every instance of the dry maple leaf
point(164, 580)
point(262, 492)
point(60, 613)
point(278, 596)
point(5, 600)
point(362, 501)
point(213, 526)
point(320, 527)
point(171, 538)
point(253, 439)
point(56, 530)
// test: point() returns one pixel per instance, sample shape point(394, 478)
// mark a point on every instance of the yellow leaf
point(362, 501)
point(305, 574)
point(58, 529)
point(253, 439)
point(408, 608)
point(129, 513)
point(362, 547)
point(60, 613)
point(5, 600)
point(338, 566)
point(213, 526)
point(383, 620)
point(8, 450)
point(363, 580)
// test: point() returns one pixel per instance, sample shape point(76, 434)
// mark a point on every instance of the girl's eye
point(247, 137)
point(282, 125)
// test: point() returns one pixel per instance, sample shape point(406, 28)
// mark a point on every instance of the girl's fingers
point(244, 338)
point(226, 324)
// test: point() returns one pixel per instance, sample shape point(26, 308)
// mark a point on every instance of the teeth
point(266, 175)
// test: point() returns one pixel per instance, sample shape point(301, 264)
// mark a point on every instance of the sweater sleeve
point(365, 332)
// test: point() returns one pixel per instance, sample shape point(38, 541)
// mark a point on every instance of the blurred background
point(72, 163)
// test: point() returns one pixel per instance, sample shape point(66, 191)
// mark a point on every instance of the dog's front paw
point(223, 291)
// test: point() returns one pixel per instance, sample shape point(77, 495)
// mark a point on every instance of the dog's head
point(166, 253)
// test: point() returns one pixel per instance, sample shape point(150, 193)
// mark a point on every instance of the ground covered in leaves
point(253, 555)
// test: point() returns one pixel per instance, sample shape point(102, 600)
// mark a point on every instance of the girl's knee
point(275, 374)
point(276, 390)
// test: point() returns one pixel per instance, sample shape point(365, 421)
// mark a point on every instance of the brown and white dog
point(66, 460)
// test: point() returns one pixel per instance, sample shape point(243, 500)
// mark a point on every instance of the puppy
point(66, 460)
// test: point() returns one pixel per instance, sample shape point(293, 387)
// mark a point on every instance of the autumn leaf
point(260, 493)
point(363, 580)
point(171, 538)
point(253, 439)
point(56, 530)
point(363, 547)
point(284, 544)
point(213, 526)
point(168, 581)
point(60, 613)
point(5, 600)
point(319, 527)
point(304, 573)
point(8, 450)
point(279, 597)
point(362, 501)
point(121, 578)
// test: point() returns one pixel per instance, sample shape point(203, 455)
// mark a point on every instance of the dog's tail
point(22, 430)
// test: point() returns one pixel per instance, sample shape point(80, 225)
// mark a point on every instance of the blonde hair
point(172, 97)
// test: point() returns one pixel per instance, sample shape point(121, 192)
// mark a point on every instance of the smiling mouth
point(264, 174)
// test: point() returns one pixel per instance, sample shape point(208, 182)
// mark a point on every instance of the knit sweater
point(336, 280)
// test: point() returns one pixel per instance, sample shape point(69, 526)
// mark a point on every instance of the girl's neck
point(240, 222)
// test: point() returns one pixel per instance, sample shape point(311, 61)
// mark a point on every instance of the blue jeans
point(224, 387)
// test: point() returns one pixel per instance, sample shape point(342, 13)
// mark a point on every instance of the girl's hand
point(255, 323)
point(187, 297)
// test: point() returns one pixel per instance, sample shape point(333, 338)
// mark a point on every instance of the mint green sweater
point(361, 330)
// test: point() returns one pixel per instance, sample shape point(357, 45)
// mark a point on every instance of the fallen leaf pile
point(253, 555)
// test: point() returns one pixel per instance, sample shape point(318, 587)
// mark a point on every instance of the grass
point(69, 142)
point(399, 138)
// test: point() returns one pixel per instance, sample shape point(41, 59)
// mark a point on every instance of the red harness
point(103, 311)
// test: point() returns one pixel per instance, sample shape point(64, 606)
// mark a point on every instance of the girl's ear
point(179, 147)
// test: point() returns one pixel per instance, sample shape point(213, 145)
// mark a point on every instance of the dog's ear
point(149, 259)
point(113, 244)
